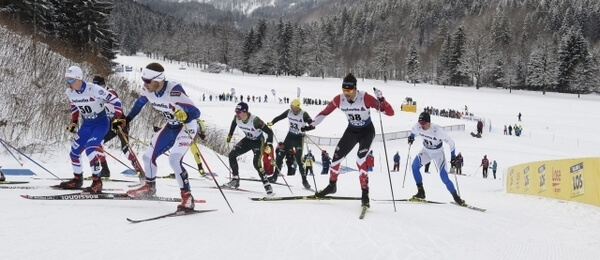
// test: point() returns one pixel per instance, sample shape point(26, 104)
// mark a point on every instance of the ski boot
point(96, 186)
point(105, 172)
point(146, 190)
point(187, 201)
point(306, 184)
point(330, 189)
point(268, 189)
point(420, 196)
point(364, 199)
point(74, 183)
point(458, 200)
point(234, 183)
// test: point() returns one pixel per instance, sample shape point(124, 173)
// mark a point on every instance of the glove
point(268, 148)
point(118, 122)
point(180, 115)
point(307, 128)
point(201, 127)
point(202, 136)
point(269, 124)
point(453, 162)
point(228, 138)
point(411, 139)
point(156, 128)
point(379, 95)
point(72, 127)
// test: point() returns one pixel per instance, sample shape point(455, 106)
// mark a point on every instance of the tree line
point(518, 44)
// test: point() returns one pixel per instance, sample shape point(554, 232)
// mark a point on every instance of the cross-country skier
point(254, 129)
point(171, 101)
point(433, 137)
point(360, 130)
point(88, 100)
point(294, 139)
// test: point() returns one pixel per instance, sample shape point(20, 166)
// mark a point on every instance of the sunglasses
point(70, 81)
point(237, 111)
point(147, 81)
point(348, 90)
point(423, 122)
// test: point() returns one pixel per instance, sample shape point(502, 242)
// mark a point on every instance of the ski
point(104, 179)
point(172, 176)
point(102, 196)
point(14, 182)
point(310, 197)
point(233, 189)
point(470, 207)
point(259, 180)
point(35, 187)
point(411, 200)
point(363, 211)
point(172, 214)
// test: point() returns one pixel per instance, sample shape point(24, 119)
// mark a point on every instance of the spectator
point(509, 130)
point(519, 116)
point(485, 164)
point(459, 164)
point(494, 168)
point(479, 127)
point(370, 161)
point(396, 162)
point(308, 161)
point(505, 131)
point(290, 157)
point(326, 162)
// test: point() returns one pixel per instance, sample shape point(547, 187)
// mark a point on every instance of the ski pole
point(124, 137)
point(406, 166)
point(211, 174)
point(385, 152)
point(11, 153)
point(6, 143)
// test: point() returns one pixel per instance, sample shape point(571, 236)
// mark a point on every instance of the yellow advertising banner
point(575, 179)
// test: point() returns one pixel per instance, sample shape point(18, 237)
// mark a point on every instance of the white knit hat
point(74, 72)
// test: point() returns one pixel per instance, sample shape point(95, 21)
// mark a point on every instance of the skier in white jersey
point(171, 101)
point(254, 140)
point(433, 137)
point(88, 101)
point(356, 105)
point(293, 140)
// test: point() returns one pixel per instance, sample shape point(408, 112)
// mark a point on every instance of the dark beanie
point(243, 107)
point(98, 80)
point(349, 81)
point(424, 117)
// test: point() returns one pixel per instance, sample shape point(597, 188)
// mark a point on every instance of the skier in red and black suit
point(356, 105)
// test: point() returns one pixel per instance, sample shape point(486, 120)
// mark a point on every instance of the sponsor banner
point(574, 179)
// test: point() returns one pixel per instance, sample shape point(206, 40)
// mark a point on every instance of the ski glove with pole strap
point(180, 115)
point(72, 127)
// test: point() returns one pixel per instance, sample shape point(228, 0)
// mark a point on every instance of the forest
point(514, 44)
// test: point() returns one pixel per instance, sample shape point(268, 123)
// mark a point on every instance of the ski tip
point(23, 196)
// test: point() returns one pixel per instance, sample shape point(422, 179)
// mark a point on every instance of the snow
point(514, 226)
